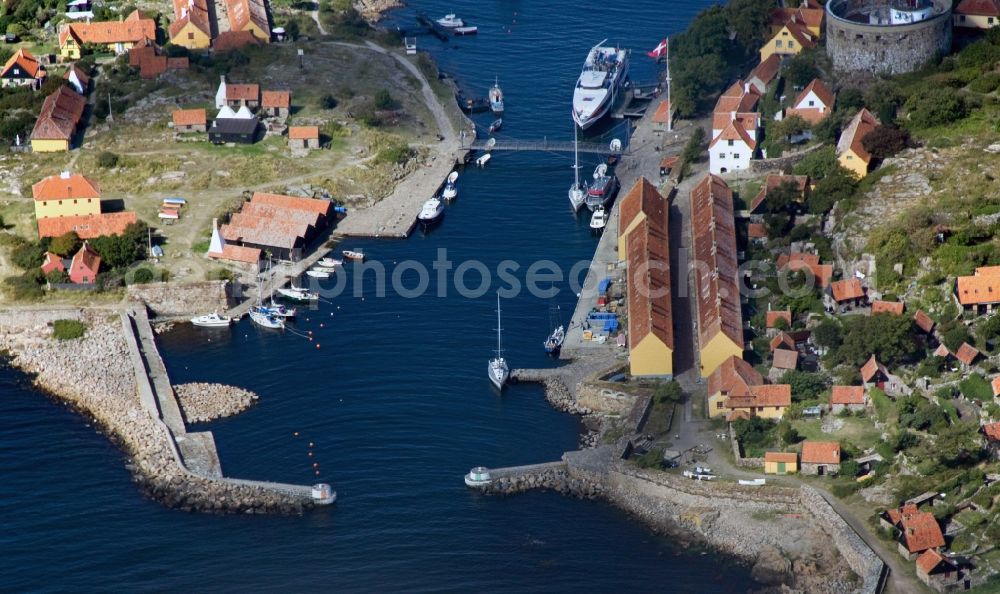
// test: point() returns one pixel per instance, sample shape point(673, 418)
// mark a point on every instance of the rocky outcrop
point(205, 402)
point(184, 299)
point(372, 10)
point(549, 480)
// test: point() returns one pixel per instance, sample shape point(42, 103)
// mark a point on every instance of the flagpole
point(670, 106)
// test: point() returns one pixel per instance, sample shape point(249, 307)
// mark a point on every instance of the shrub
point(328, 101)
point(885, 141)
point(142, 275)
point(57, 277)
point(986, 83)
point(397, 154)
point(936, 106)
point(107, 160)
point(383, 101)
point(975, 387)
point(24, 287)
point(668, 392)
point(66, 244)
point(28, 256)
point(68, 329)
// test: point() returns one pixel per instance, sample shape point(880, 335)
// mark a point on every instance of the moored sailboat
point(497, 369)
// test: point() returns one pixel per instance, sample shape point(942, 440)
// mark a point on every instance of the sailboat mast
point(576, 159)
point(499, 349)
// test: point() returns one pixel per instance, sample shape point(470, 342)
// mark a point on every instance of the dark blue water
point(395, 398)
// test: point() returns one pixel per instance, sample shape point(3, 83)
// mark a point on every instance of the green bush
point(68, 329)
point(975, 387)
point(328, 101)
point(936, 106)
point(383, 101)
point(986, 83)
point(107, 160)
point(142, 275)
point(397, 154)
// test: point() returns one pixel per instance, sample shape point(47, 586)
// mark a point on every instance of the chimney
point(64, 175)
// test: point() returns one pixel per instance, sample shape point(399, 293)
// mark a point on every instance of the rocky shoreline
point(88, 374)
point(373, 10)
point(202, 402)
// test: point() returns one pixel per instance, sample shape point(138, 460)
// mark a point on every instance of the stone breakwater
point(557, 480)
point(203, 402)
point(93, 375)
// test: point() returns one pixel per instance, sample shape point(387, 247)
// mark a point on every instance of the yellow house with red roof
point(66, 194)
point(117, 36)
point(851, 153)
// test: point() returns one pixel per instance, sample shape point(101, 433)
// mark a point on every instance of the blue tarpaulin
point(610, 325)
point(602, 287)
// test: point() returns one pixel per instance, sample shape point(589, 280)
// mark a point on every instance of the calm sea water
point(395, 399)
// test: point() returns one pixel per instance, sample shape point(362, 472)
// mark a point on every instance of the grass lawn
point(859, 432)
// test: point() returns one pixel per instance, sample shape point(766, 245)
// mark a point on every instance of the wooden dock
point(544, 144)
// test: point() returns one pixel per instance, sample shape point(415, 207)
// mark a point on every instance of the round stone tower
point(886, 36)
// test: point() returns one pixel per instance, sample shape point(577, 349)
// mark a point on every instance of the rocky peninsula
point(203, 402)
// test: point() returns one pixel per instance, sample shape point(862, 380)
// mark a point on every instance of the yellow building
point(642, 201)
point(976, 14)
point(720, 319)
point(57, 121)
point(732, 379)
point(789, 40)
point(192, 26)
point(781, 463)
point(650, 321)
point(66, 195)
point(769, 401)
point(851, 153)
point(249, 16)
point(117, 36)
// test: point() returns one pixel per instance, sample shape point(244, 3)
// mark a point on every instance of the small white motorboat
point(212, 320)
point(496, 125)
point(468, 30)
point(483, 160)
point(261, 317)
point(431, 212)
point(330, 262)
point(354, 255)
point(450, 189)
point(478, 477)
point(317, 273)
point(297, 293)
point(599, 219)
point(496, 98)
point(450, 21)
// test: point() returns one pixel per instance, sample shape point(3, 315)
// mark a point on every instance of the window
point(791, 44)
point(961, 18)
point(736, 155)
point(777, 43)
point(730, 142)
point(89, 200)
point(722, 155)
point(988, 20)
point(60, 203)
point(75, 201)
point(812, 103)
point(190, 35)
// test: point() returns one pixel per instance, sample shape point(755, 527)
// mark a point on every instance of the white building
point(732, 149)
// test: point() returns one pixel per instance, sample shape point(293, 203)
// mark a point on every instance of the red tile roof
point(303, 133)
point(649, 303)
point(60, 113)
point(86, 226)
point(190, 11)
point(52, 262)
point(847, 395)
point(992, 431)
point(64, 186)
point(662, 114)
point(773, 316)
point(138, 54)
point(136, 27)
point(85, 265)
point(786, 457)
point(81, 75)
point(276, 99)
point(928, 561)
point(996, 386)
point(849, 288)
point(923, 321)
point(714, 247)
point(782, 340)
point(966, 353)
point(981, 288)
point(152, 66)
point(243, 12)
point(820, 452)
point(733, 378)
point(920, 531)
point(757, 231)
point(771, 395)
point(242, 92)
point(870, 368)
point(233, 40)
point(766, 71)
point(859, 127)
point(890, 307)
point(784, 359)
point(941, 351)
point(190, 117)
point(237, 253)
point(643, 197)
point(735, 131)
point(990, 8)
point(29, 65)
point(322, 207)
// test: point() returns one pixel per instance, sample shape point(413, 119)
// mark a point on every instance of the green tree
point(827, 334)
point(801, 70)
point(28, 256)
point(118, 251)
point(66, 244)
point(788, 434)
point(889, 337)
point(792, 125)
point(818, 164)
point(695, 146)
point(57, 277)
point(885, 141)
point(837, 185)
point(936, 106)
point(805, 385)
point(292, 29)
point(850, 99)
point(107, 160)
point(988, 330)
point(384, 101)
point(955, 336)
point(668, 392)
point(883, 99)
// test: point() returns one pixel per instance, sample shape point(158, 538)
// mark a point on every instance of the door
point(781, 468)
point(821, 470)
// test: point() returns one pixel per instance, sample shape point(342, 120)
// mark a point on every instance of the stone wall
point(183, 299)
point(887, 49)
point(784, 162)
point(862, 559)
point(36, 319)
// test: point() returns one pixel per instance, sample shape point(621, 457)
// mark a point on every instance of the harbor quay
point(115, 375)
